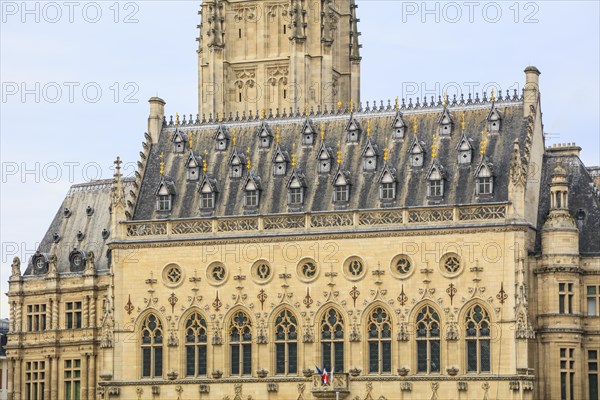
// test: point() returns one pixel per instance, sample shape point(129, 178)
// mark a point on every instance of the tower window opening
point(240, 33)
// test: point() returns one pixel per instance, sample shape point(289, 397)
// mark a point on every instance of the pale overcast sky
point(134, 50)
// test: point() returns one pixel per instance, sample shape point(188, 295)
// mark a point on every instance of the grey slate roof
point(364, 193)
point(584, 203)
point(95, 194)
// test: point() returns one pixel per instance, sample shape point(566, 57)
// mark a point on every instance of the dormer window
point(465, 151)
point(494, 120)
point(341, 192)
point(369, 156)
point(416, 154)
point(353, 131)
point(398, 127)
point(208, 193)
point(193, 167)
point(387, 185)
point(308, 133)
point(435, 180)
point(324, 159)
point(40, 263)
point(236, 165)
point(164, 195)
point(280, 161)
point(265, 136)
point(445, 123)
point(179, 139)
point(296, 187)
point(252, 191)
point(77, 261)
point(221, 138)
point(485, 180)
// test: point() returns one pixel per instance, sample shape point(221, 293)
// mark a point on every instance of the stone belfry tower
point(262, 56)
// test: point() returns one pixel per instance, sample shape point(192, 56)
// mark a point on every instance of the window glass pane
point(422, 356)
point(373, 357)
point(563, 386)
point(235, 359)
point(189, 360)
point(572, 385)
point(292, 358)
point(247, 359)
point(435, 356)
point(339, 356)
point(485, 355)
point(561, 304)
point(471, 356)
point(326, 352)
point(68, 390)
point(386, 353)
point(146, 362)
point(77, 390)
point(593, 385)
point(280, 358)
point(591, 306)
point(591, 290)
point(202, 360)
point(158, 361)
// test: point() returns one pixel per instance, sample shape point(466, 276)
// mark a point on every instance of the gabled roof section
point(280, 155)
point(464, 144)
point(484, 169)
point(308, 127)
point(324, 152)
point(208, 185)
point(387, 174)
point(179, 136)
point(416, 147)
point(252, 182)
point(494, 114)
point(165, 186)
point(194, 160)
point(264, 130)
point(353, 125)
point(398, 121)
point(436, 171)
point(236, 158)
point(297, 179)
point(341, 177)
point(370, 149)
point(221, 133)
point(445, 117)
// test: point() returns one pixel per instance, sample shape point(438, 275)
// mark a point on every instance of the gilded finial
point(306, 108)
point(277, 136)
point(339, 153)
point(339, 104)
point(162, 163)
point(191, 139)
point(386, 154)
point(294, 155)
point(462, 122)
point(445, 99)
point(248, 162)
point(483, 142)
point(369, 128)
point(322, 132)
point(204, 162)
point(176, 118)
point(351, 106)
point(493, 96)
point(234, 137)
point(415, 125)
point(434, 147)
point(397, 105)
point(263, 113)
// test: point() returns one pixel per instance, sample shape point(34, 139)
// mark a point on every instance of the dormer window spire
point(179, 139)
point(221, 138)
point(398, 127)
point(484, 179)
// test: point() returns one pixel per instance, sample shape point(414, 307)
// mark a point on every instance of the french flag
point(325, 379)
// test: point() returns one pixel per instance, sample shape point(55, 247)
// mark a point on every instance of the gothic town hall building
point(417, 249)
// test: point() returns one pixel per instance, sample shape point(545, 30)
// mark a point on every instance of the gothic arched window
point(428, 340)
point(332, 340)
point(195, 346)
point(477, 339)
point(286, 343)
point(152, 347)
point(240, 341)
point(380, 341)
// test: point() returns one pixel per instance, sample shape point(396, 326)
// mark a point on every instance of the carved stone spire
point(355, 45)
point(329, 22)
point(297, 20)
point(216, 21)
